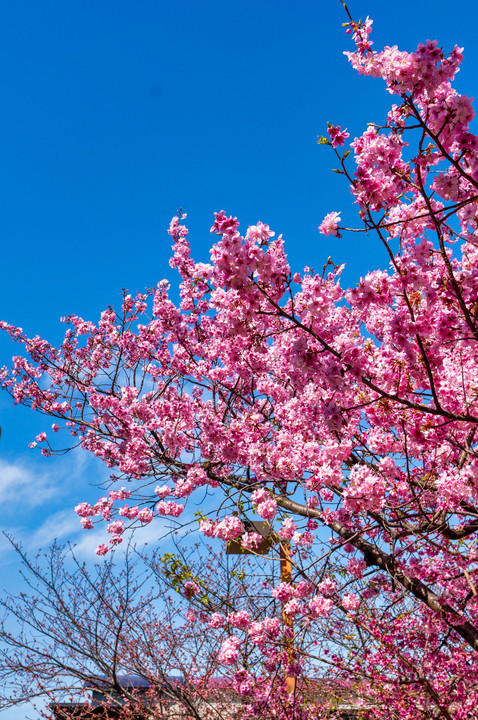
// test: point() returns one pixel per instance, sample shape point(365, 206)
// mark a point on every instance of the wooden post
point(286, 576)
point(234, 547)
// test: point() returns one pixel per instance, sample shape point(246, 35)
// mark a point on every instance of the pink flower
point(267, 509)
point(272, 626)
point(145, 516)
point(259, 495)
point(230, 528)
point(162, 491)
point(283, 592)
point(327, 587)
point(293, 607)
point(224, 224)
point(305, 539)
point(239, 619)
point(84, 509)
point(304, 588)
point(320, 606)
point(129, 512)
point(350, 602)
point(330, 224)
point(256, 633)
point(229, 650)
point(337, 136)
point(207, 526)
point(101, 549)
point(171, 508)
point(121, 494)
point(41, 437)
point(190, 589)
point(216, 621)
point(356, 567)
point(116, 527)
point(243, 682)
point(251, 541)
point(265, 503)
point(288, 529)
point(259, 233)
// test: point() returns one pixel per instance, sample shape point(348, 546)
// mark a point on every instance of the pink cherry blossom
point(240, 619)
point(350, 602)
point(337, 135)
point(216, 621)
point(145, 516)
point(229, 651)
point(330, 224)
point(320, 606)
point(191, 588)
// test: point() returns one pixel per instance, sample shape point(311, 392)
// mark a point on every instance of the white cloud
point(61, 525)
point(33, 483)
point(38, 497)
point(22, 482)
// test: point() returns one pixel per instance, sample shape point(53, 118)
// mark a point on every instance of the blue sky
point(115, 114)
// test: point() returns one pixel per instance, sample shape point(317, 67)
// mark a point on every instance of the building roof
point(101, 682)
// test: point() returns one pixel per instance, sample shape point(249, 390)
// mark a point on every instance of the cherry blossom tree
point(73, 630)
point(344, 418)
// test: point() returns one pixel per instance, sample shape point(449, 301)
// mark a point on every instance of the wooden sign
point(234, 547)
